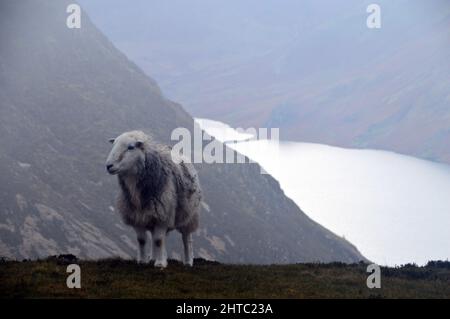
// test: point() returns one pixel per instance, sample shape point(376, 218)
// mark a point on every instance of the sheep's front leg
point(141, 235)
point(159, 246)
point(188, 249)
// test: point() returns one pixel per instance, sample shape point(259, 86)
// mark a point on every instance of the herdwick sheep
point(157, 194)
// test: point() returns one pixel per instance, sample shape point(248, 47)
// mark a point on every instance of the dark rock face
point(63, 93)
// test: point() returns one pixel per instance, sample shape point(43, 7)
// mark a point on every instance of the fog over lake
point(394, 208)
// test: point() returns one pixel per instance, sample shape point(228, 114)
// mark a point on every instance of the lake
point(394, 208)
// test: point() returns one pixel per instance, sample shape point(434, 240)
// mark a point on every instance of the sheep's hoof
point(161, 264)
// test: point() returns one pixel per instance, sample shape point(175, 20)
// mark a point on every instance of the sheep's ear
point(138, 144)
point(111, 140)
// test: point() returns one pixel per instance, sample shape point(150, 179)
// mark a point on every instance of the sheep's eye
point(131, 147)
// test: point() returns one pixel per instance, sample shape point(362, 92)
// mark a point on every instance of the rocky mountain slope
point(63, 93)
point(310, 67)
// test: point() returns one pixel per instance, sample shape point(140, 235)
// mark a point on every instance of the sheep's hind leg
point(188, 249)
point(159, 246)
point(141, 235)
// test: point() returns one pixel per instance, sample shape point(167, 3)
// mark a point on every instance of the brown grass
point(115, 278)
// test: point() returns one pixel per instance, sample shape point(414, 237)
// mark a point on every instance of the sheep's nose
point(109, 166)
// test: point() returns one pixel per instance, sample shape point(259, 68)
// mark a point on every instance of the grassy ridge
point(115, 278)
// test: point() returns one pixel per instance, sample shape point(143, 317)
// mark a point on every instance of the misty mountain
point(310, 67)
point(63, 93)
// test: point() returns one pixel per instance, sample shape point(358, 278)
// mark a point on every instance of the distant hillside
point(310, 67)
point(63, 94)
point(114, 278)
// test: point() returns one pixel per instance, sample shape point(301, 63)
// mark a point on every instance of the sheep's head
point(127, 154)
